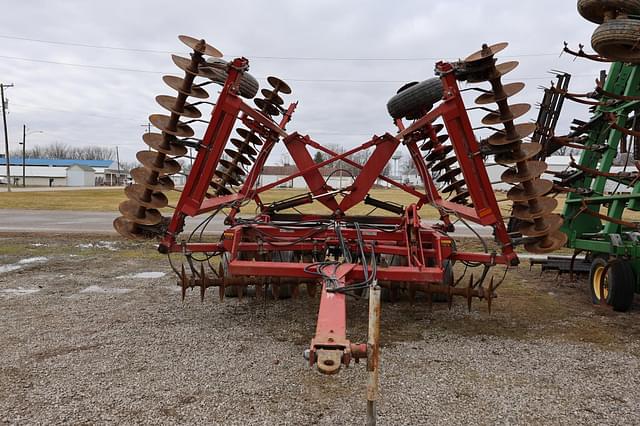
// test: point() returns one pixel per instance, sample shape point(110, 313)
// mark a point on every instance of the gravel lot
point(82, 340)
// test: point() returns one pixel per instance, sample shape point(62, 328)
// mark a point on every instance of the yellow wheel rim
point(600, 281)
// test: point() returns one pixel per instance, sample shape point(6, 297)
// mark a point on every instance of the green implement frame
point(597, 218)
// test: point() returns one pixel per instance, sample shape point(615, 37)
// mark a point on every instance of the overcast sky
point(343, 59)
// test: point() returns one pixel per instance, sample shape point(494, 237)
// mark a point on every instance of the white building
point(79, 175)
point(54, 172)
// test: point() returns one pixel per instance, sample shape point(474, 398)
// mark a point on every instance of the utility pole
point(148, 127)
point(24, 151)
point(118, 161)
point(6, 134)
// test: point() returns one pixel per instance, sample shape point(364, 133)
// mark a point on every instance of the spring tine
point(490, 297)
point(449, 296)
point(295, 291)
point(260, 291)
point(183, 282)
point(240, 292)
point(311, 290)
point(470, 293)
point(204, 282)
point(221, 292)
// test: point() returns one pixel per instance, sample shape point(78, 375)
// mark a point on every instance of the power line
point(300, 80)
point(278, 58)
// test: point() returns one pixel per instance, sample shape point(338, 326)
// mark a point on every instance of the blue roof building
point(55, 172)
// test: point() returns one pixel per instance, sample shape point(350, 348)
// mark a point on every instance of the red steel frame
point(425, 248)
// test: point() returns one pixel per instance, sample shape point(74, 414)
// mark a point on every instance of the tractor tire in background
point(413, 100)
point(618, 40)
point(618, 283)
point(594, 10)
point(248, 84)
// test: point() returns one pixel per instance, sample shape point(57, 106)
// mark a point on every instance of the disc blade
point(219, 189)
point(200, 46)
point(548, 244)
point(176, 83)
point(444, 164)
point(169, 103)
point(514, 175)
point(460, 198)
point(162, 122)
point(522, 130)
point(506, 67)
point(185, 64)
point(151, 160)
point(128, 229)
point(272, 96)
point(486, 52)
point(539, 187)
point(232, 168)
point(133, 212)
point(279, 85)
point(266, 106)
point(453, 186)
point(552, 223)
point(248, 136)
point(227, 178)
point(244, 147)
point(523, 211)
point(510, 89)
point(450, 175)
point(237, 156)
point(143, 176)
point(439, 154)
point(524, 152)
point(516, 111)
point(157, 142)
point(146, 198)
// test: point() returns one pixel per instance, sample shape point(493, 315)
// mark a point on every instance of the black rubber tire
point(415, 100)
point(620, 282)
point(618, 40)
point(594, 10)
point(248, 84)
point(622, 287)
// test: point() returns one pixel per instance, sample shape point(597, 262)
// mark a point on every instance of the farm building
point(55, 172)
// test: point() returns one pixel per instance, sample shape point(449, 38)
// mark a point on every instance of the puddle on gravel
point(109, 245)
point(144, 275)
point(21, 263)
point(19, 291)
point(104, 290)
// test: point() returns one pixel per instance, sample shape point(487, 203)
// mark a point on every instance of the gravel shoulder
point(85, 340)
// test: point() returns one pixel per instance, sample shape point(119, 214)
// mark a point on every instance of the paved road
point(64, 221)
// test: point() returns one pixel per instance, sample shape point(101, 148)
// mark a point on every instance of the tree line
point(63, 151)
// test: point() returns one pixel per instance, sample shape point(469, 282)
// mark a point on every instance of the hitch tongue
point(329, 360)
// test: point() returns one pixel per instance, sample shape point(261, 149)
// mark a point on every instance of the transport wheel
point(248, 84)
point(618, 39)
point(413, 100)
point(448, 280)
point(594, 10)
point(617, 285)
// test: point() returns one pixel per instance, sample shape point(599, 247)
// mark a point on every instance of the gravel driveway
point(83, 340)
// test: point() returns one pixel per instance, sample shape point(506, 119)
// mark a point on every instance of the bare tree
point(63, 151)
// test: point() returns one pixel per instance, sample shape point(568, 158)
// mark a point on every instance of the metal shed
point(80, 175)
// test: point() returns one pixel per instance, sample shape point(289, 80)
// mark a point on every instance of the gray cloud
point(82, 106)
